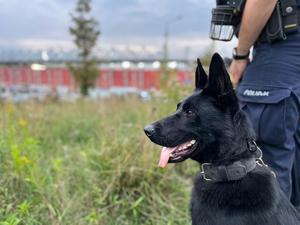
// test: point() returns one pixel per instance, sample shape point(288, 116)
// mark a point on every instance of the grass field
point(88, 163)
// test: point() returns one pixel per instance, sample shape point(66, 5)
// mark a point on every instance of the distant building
point(48, 69)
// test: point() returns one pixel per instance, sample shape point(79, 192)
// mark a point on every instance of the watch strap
point(236, 56)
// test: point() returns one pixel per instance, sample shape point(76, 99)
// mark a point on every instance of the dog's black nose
point(149, 130)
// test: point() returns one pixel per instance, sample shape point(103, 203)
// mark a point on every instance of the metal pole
point(166, 36)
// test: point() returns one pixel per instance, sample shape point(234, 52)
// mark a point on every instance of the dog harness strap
point(232, 172)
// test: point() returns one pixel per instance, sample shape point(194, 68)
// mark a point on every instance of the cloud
point(37, 44)
point(44, 23)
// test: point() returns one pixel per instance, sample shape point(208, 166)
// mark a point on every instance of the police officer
point(269, 92)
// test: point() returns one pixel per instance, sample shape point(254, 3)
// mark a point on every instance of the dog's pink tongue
point(164, 156)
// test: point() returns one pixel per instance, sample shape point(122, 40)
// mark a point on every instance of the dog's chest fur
point(255, 199)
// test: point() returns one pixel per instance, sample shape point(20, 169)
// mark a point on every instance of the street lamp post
point(166, 36)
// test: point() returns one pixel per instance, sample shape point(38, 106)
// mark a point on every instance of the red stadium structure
point(145, 78)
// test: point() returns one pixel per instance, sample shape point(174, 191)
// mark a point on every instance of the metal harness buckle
point(203, 173)
point(260, 162)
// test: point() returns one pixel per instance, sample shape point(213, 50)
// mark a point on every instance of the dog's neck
point(225, 148)
point(237, 170)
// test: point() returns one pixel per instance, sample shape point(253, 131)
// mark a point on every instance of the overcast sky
point(43, 24)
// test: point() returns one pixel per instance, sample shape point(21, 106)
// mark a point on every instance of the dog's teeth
point(193, 142)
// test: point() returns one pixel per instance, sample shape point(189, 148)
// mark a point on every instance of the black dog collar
point(235, 171)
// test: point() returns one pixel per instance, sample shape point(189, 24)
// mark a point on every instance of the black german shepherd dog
point(209, 127)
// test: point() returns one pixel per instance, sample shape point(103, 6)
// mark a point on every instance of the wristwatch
point(236, 56)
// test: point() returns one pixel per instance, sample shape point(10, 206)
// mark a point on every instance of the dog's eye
point(188, 112)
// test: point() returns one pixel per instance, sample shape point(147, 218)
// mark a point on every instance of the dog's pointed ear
point(200, 76)
point(219, 80)
point(220, 86)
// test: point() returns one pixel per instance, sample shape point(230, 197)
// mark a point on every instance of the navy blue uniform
point(270, 94)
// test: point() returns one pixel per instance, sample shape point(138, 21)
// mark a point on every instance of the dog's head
point(204, 124)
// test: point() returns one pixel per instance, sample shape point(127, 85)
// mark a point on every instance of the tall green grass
point(88, 163)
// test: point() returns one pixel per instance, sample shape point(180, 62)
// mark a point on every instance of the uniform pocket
point(271, 111)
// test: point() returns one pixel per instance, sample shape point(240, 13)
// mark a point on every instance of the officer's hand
point(237, 69)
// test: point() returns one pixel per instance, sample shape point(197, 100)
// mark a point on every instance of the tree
point(85, 31)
